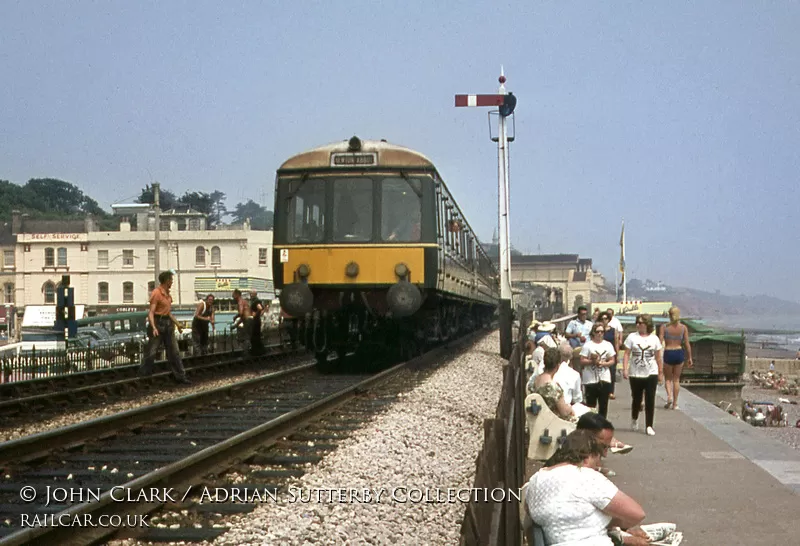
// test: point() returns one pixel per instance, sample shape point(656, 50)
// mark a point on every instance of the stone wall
point(782, 365)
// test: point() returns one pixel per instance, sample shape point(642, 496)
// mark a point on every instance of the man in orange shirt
point(162, 330)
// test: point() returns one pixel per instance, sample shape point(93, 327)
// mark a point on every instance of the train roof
point(388, 155)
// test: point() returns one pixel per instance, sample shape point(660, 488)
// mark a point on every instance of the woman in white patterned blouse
point(573, 502)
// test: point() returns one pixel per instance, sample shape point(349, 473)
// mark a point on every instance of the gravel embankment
point(788, 435)
point(10, 433)
point(428, 439)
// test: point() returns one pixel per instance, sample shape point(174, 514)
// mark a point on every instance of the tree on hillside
point(56, 195)
point(166, 198)
point(13, 197)
point(199, 201)
point(260, 217)
point(219, 210)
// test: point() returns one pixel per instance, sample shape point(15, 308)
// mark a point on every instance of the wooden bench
point(546, 430)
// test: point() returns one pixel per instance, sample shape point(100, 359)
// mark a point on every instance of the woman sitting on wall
point(572, 501)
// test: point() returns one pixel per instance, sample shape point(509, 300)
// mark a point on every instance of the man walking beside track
point(162, 331)
point(203, 318)
point(243, 322)
point(256, 310)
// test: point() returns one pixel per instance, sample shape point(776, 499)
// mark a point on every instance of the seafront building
point(557, 283)
point(114, 271)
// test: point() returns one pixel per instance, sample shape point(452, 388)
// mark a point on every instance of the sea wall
point(782, 365)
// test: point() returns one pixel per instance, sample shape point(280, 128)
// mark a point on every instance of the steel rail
point(40, 445)
point(188, 471)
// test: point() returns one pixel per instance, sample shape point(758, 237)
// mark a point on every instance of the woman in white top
point(646, 370)
point(597, 356)
point(573, 502)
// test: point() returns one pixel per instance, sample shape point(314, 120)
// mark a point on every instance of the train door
point(441, 231)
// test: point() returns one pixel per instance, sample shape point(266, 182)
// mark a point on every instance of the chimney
point(143, 221)
point(16, 222)
point(89, 223)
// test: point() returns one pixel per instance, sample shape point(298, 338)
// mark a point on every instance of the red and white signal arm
point(480, 100)
point(284, 255)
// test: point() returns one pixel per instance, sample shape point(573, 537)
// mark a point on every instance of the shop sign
point(653, 308)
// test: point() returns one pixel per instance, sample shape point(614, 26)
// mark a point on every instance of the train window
point(454, 230)
point(401, 209)
point(306, 221)
point(352, 209)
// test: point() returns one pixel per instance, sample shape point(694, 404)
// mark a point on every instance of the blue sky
point(681, 117)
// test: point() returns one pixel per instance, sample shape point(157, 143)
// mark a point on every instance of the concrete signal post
point(506, 102)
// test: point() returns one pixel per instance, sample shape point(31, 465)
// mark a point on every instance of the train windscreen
point(306, 211)
point(352, 209)
point(401, 209)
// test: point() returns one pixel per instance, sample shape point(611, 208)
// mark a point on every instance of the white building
point(114, 271)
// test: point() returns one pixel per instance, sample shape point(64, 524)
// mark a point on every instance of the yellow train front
point(372, 254)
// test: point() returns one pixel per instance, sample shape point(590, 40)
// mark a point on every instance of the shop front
point(222, 289)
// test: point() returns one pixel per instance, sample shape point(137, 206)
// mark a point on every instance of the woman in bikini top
point(674, 338)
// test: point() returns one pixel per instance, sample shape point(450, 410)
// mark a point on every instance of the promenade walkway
point(721, 480)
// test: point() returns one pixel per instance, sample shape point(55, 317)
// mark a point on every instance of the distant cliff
point(731, 311)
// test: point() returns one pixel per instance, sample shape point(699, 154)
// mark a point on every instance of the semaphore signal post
point(506, 103)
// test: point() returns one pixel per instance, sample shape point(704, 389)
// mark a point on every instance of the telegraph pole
point(506, 103)
point(157, 214)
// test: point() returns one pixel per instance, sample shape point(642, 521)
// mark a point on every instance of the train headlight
point(354, 144)
point(401, 270)
point(351, 270)
point(303, 271)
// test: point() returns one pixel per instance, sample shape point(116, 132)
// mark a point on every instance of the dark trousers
point(200, 336)
point(597, 396)
point(166, 336)
point(244, 335)
point(256, 344)
point(644, 386)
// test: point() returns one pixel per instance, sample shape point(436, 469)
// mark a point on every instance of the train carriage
point(371, 250)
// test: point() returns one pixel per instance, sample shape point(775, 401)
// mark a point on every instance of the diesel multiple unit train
point(372, 253)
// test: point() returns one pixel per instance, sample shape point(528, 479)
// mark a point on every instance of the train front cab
point(361, 243)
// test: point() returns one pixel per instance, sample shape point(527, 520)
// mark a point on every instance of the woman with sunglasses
point(646, 370)
point(597, 356)
point(611, 336)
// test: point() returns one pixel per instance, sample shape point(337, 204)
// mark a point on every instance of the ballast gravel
point(425, 443)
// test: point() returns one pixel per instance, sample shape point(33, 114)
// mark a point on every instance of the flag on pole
point(622, 254)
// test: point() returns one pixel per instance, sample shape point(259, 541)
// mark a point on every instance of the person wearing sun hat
point(545, 342)
point(546, 328)
point(533, 328)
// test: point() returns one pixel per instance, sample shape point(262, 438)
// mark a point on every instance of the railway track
point(142, 454)
point(21, 401)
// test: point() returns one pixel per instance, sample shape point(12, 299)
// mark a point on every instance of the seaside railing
point(37, 363)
